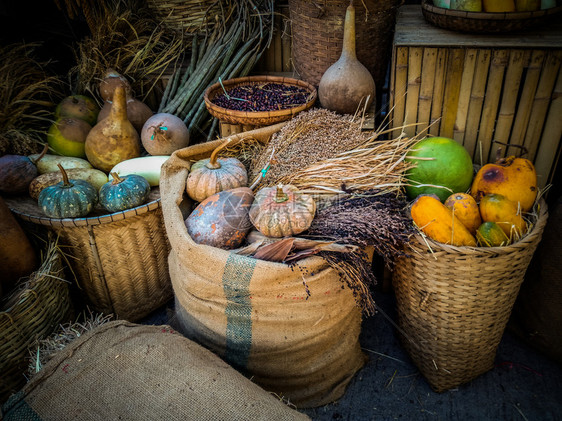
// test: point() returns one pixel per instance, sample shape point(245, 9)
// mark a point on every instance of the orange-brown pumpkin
point(465, 209)
point(499, 209)
point(438, 222)
point(282, 211)
point(514, 178)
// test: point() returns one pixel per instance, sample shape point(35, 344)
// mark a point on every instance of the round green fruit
point(442, 167)
point(67, 136)
point(78, 106)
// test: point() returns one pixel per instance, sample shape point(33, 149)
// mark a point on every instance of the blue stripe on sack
point(236, 279)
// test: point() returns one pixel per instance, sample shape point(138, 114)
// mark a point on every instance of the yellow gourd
point(438, 222)
point(465, 208)
point(497, 208)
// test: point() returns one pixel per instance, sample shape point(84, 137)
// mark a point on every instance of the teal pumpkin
point(124, 192)
point(68, 198)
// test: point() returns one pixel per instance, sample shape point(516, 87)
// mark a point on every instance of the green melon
point(442, 167)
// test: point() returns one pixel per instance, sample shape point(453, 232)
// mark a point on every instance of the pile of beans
point(266, 97)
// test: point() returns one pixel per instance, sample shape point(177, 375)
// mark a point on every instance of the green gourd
point(68, 198)
point(124, 192)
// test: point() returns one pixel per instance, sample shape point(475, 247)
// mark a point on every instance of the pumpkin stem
point(213, 164)
point(116, 178)
point(65, 180)
point(280, 195)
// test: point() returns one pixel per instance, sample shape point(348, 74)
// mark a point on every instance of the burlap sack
point(124, 371)
point(258, 315)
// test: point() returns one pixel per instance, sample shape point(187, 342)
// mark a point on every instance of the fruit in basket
point(446, 4)
point(498, 6)
point(81, 107)
point(347, 85)
point(124, 192)
point(438, 222)
point(67, 136)
point(527, 5)
point(164, 133)
point(282, 211)
point(467, 5)
point(441, 166)
point(465, 209)
point(47, 163)
point(95, 177)
point(149, 167)
point(68, 199)
point(112, 79)
point(16, 173)
point(222, 219)
point(489, 234)
point(114, 139)
point(212, 175)
point(514, 178)
point(499, 209)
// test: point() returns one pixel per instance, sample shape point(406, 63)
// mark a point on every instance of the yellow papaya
point(499, 209)
point(466, 209)
point(438, 222)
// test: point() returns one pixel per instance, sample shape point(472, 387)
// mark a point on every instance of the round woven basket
point(484, 22)
point(120, 260)
point(258, 118)
point(317, 32)
point(34, 311)
point(186, 16)
point(454, 303)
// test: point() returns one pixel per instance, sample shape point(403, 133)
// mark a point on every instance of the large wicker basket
point(454, 303)
point(120, 260)
point(317, 28)
point(33, 311)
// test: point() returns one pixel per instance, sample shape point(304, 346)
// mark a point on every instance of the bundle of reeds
point(28, 95)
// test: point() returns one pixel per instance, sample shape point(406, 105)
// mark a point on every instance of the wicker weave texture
point(454, 303)
point(185, 16)
point(36, 313)
point(317, 28)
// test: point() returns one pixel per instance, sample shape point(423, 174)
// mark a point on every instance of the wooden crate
point(480, 89)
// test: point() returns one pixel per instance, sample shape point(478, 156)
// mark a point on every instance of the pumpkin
point(465, 209)
point(499, 209)
point(438, 222)
point(69, 198)
point(212, 175)
point(514, 178)
point(282, 211)
point(222, 219)
point(124, 192)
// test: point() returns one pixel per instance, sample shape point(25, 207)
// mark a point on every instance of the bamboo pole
point(413, 90)
point(286, 46)
point(491, 102)
point(541, 103)
point(398, 94)
point(277, 44)
point(546, 160)
point(464, 94)
point(426, 88)
point(455, 66)
point(517, 61)
point(438, 89)
point(526, 100)
point(476, 103)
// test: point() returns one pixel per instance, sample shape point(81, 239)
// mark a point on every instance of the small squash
point(212, 175)
point(499, 209)
point(465, 208)
point(489, 234)
point(282, 211)
point(438, 222)
point(222, 219)
point(68, 198)
point(124, 192)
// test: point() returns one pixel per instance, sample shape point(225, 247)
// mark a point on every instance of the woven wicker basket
point(34, 311)
point(186, 16)
point(483, 22)
point(454, 303)
point(120, 259)
point(317, 28)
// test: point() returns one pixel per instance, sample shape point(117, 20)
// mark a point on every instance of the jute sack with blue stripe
point(293, 330)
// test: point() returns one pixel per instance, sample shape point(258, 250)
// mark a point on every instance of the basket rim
point(219, 112)
point(484, 16)
point(536, 230)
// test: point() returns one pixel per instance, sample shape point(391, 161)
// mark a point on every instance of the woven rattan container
point(186, 16)
point(454, 303)
point(120, 260)
point(317, 28)
point(33, 311)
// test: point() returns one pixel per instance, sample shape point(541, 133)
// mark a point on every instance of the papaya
point(438, 222)
point(490, 234)
point(513, 178)
point(465, 209)
point(499, 209)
